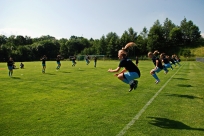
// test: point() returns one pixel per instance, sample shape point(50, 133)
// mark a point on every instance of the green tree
point(190, 32)
point(141, 42)
point(3, 39)
point(20, 40)
point(125, 38)
point(112, 40)
point(63, 48)
point(176, 36)
point(48, 48)
point(167, 27)
point(155, 37)
point(102, 48)
point(132, 34)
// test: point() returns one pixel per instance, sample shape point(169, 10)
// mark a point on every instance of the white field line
point(123, 131)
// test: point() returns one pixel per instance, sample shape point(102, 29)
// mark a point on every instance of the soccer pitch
point(88, 101)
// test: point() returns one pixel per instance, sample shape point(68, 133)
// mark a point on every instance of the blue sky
point(93, 18)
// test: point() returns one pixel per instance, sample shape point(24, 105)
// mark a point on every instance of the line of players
point(162, 62)
point(59, 58)
point(130, 71)
point(157, 60)
point(11, 66)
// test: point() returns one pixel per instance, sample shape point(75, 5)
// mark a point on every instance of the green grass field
point(88, 101)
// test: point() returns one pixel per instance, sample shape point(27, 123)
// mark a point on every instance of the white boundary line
point(123, 131)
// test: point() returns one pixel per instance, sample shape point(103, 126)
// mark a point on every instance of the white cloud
point(202, 34)
point(18, 31)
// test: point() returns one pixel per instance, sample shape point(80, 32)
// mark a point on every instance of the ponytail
point(124, 50)
point(156, 53)
point(128, 45)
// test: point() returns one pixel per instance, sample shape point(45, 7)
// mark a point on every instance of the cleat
point(165, 72)
point(133, 85)
point(157, 81)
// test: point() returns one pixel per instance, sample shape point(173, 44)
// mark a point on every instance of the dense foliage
point(166, 37)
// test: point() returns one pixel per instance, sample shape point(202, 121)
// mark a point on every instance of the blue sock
point(155, 76)
point(165, 69)
point(125, 81)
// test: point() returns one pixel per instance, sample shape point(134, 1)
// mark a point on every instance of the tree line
point(166, 37)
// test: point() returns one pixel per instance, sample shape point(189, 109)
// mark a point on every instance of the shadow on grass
point(181, 78)
point(185, 96)
point(65, 72)
point(80, 70)
point(50, 74)
point(15, 77)
point(171, 124)
point(181, 74)
point(183, 85)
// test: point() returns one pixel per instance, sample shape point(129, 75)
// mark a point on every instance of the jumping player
point(43, 59)
point(172, 61)
point(10, 64)
point(87, 59)
point(166, 62)
point(176, 59)
point(58, 62)
point(130, 71)
point(158, 65)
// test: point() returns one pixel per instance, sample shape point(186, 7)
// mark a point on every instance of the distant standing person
point(43, 59)
point(73, 61)
point(10, 64)
point(137, 61)
point(95, 60)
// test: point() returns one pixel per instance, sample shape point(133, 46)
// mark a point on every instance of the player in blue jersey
point(58, 62)
point(10, 64)
point(43, 59)
point(87, 58)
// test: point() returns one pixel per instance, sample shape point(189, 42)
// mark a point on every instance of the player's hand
point(110, 70)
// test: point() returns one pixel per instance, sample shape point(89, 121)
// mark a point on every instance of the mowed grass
point(88, 101)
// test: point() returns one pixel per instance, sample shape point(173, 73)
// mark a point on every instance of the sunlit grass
point(198, 52)
point(84, 100)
